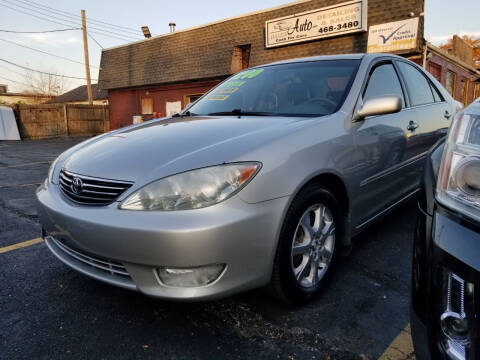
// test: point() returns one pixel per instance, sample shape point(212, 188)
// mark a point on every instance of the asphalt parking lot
point(48, 311)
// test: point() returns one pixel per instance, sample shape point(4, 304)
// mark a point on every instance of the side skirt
point(385, 211)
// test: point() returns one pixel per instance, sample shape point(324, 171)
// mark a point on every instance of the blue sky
point(442, 20)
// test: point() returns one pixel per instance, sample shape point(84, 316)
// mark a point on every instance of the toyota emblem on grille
point(77, 185)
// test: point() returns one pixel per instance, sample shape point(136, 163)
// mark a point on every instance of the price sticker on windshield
point(248, 74)
point(217, 97)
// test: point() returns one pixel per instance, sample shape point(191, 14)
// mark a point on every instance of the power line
point(38, 32)
point(13, 71)
point(42, 72)
point(18, 82)
point(64, 24)
point(44, 52)
point(91, 37)
point(23, 75)
point(110, 36)
point(38, 17)
point(110, 33)
point(69, 14)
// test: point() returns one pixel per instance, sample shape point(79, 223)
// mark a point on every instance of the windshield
point(313, 88)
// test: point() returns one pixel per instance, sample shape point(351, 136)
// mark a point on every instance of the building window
point(450, 82)
point(187, 99)
point(435, 70)
point(240, 58)
point(476, 91)
point(464, 91)
point(147, 106)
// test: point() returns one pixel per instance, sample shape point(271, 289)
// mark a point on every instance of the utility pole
point(87, 65)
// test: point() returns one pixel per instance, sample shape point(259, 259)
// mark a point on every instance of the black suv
point(446, 260)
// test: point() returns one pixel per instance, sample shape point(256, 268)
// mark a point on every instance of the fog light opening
point(453, 320)
point(454, 326)
point(190, 277)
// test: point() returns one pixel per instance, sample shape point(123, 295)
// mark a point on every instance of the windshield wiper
point(186, 113)
point(239, 112)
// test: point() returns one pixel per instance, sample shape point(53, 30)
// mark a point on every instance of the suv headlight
point(193, 189)
point(458, 185)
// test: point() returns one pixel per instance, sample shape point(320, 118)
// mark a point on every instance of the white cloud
point(438, 39)
point(474, 33)
point(53, 39)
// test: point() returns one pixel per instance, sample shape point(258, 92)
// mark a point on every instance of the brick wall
point(206, 52)
point(439, 66)
point(124, 104)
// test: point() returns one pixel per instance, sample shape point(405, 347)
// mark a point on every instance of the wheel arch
point(336, 185)
point(333, 182)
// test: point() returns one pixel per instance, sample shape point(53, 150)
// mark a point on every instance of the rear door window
point(383, 81)
point(417, 85)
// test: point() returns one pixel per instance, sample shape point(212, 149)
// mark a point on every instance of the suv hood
point(163, 147)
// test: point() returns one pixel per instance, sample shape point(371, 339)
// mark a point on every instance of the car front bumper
point(445, 242)
point(98, 241)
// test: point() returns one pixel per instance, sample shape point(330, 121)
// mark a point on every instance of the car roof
point(474, 107)
point(359, 56)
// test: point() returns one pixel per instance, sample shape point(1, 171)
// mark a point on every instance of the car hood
point(162, 147)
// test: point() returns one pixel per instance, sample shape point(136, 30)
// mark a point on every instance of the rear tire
point(307, 247)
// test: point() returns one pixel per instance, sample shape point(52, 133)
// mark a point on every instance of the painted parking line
point(401, 347)
point(28, 164)
point(20, 245)
point(19, 185)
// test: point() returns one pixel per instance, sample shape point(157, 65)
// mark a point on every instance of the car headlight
point(51, 170)
point(458, 184)
point(193, 189)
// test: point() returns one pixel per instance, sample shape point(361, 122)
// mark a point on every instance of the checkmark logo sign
point(385, 39)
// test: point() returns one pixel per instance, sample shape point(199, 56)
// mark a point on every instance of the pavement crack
point(253, 326)
point(18, 212)
point(4, 165)
point(383, 278)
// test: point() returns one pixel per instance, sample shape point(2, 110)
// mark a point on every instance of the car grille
point(89, 190)
point(109, 266)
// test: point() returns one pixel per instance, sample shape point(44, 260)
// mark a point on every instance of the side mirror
point(379, 106)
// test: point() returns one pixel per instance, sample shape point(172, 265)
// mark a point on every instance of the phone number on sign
point(339, 27)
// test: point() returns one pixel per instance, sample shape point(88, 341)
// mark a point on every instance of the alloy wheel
point(313, 245)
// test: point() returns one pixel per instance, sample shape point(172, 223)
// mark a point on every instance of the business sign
point(394, 36)
point(345, 18)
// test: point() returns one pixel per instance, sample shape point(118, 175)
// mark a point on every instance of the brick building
point(461, 79)
point(160, 75)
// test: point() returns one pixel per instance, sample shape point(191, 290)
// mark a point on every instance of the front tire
point(307, 246)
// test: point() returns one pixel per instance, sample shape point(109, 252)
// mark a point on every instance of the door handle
point(447, 115)
point(412, 125)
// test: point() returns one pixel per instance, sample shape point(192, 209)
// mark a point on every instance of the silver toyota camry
point(261, 182)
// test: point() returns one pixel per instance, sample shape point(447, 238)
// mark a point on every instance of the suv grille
point(91, 191)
